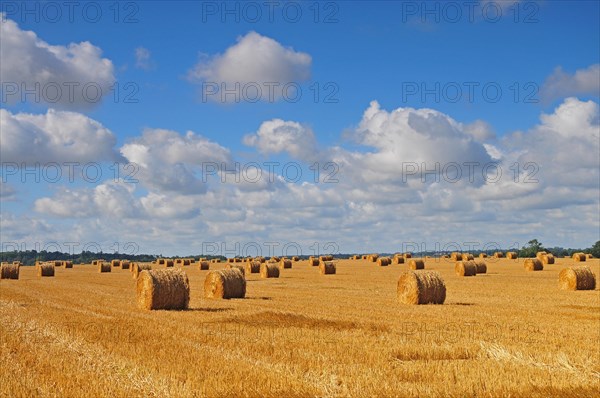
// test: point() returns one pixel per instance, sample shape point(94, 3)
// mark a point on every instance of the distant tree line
point(29, 257)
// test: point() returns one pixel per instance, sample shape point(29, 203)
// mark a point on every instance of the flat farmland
point(504, 333)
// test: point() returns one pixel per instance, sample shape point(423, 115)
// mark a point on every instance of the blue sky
point(373, 51)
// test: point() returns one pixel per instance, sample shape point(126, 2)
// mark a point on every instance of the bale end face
point(9, 271)
point(284, 263)
point(163, 289)
point(203, 265)
point(327, 268)
point(579, 257)
point(45, 269)
point(421, 287)
point(384, 261)
point(104, 267)
point(577, 278)
point(480, 267)
point(225, 284)
point(269, 270)
point(511, 255)
point(465, 268)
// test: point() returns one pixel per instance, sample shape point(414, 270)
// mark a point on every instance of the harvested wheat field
point(504, 333)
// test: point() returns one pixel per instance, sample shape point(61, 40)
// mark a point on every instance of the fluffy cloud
point(277, 136)
point(142, 59)
point(254, 59)
point(168, 161)
point(561, 84)
point(56, 136)
point(73, 76)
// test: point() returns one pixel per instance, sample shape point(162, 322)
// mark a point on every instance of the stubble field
point(508, 333)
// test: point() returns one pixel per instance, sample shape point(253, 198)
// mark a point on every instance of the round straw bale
point(372, 257)
point(326, 258)
point(67, 264)
point(327, 267)
point(482, 255)
point(465, 268)
point(480, 266)
point(9, 271)
point(365, 257)
point(163, 289)
point(384, 261)
point(225, 284)
point(407, 255)
point(578, 277)
point(416, 263)
point(125, 264)
point(115, 263)
point(161, 261)
point(313, 261)
point(94, 262)
point(511, 255)
point(533, 264)
point(269, 270)
point(203, 265)
point(547, 259)
point(138, 268)
point(285, 263)
point(236, 266)
point(46, 269)
point(104, 266)
point(169, 263)
point(398, 260)
point(295, 258)
point(260, 259)
point(275, 259)
point(498, 255)
point(539, 255)
point(468, 257)
point(253, 267)
point(57, 263)
point(589, 255)
point(455, 256)
point(186, 262)
point(421, 287)
point(579, 257)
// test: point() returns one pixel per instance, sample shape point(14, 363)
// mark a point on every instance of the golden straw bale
point(327, 267)
point(539, 255)
point(115, 263)
point(326, 258)
point(465, 268)
point(511, 255)
point(169, 263)
point(295, 258)
point(313, 261)
point(236, 266)
point(67, 264)
point(45, 269)
point(498, 255)
point(10, 271)
point(163, 289)
point(253, 267)
point(269, 270)
point(407, 255)
point(481, 267)
point(421, 287)
point(579, 257)
point(483, 255)
point(547, 259)
point(225, 284)
point(384, 261)
point(533, 264)
point(104, 266)
point(398, 260)
point(203, 265)
point(416, 263)
point(285, 263)
point(468, 257)
point(455, 256)
point(125, 264)
point(138, 268)
point(578, 277)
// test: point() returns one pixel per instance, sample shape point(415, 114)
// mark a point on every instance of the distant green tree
point(595, 250)
point(533, 246)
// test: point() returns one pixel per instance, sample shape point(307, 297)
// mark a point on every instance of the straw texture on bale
point(203, 265)
point(125, 264)
point(269, 270)
point(313, 261)
point(45, 269)
point(511, 255)
point(225, 284)
point(539, 255)
point(67, 264)
point(138, 268)
point(407, 255)
point(160, 261)
point(373, 258)
point(421, 287)
point(579, 277)
point(285, 263)
point(169, 263)
point(468, 257)
point(533, 264)
point(384, 261)
point(327, 267)
point(295, 258)
point(237, 266)
point(275, 259)
point(186, 261)
point(456, 256)
point(398, 260)
point(416, 263)
point(482, 255)
point(9, 271)
point(365, 257)
point(579, 257)
point(115, 263)
point(465, 268)
point(498, 255)
point(104, 266)
point(163, 289)
point(480, 266)
point(589, 255)
point(253, 267)
point(547, 259)
point(326, 258)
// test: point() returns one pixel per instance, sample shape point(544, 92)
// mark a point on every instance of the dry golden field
point(507, 333)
